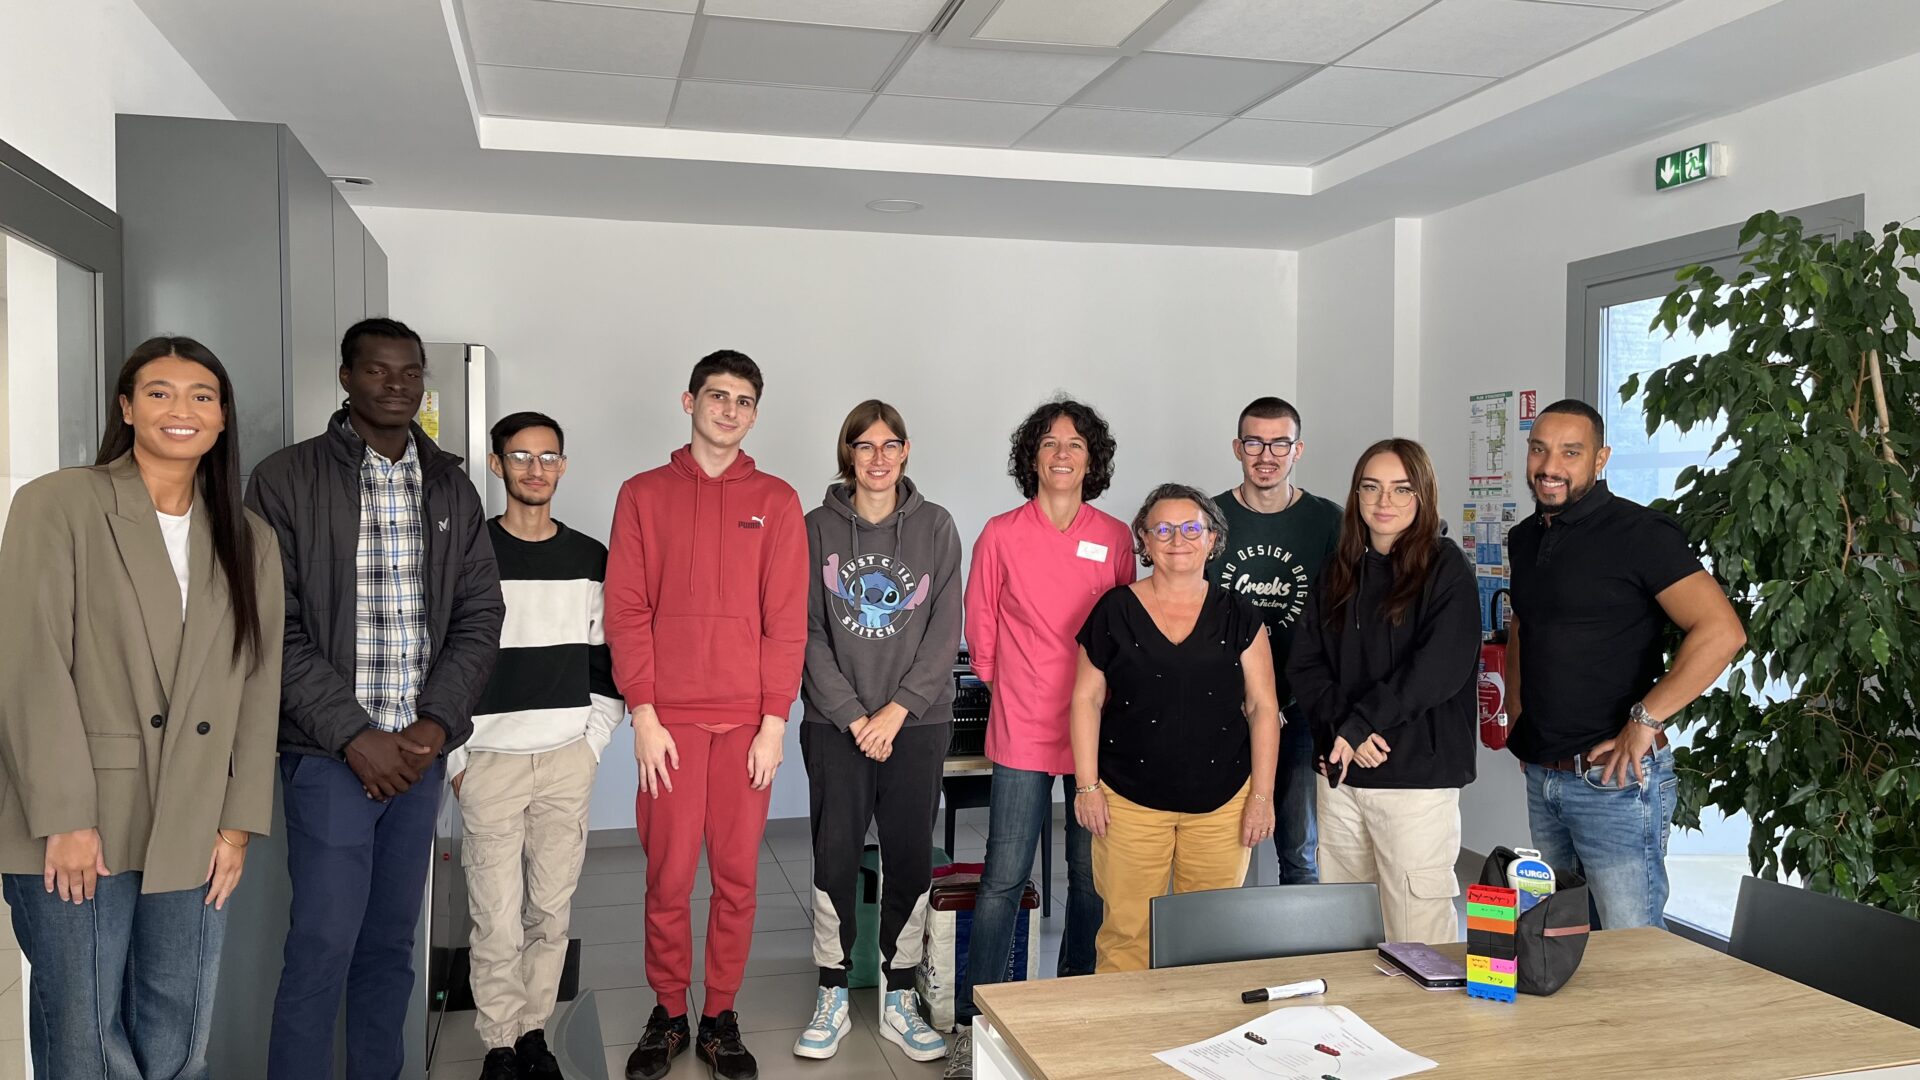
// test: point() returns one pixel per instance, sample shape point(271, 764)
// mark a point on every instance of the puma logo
point(757, 521)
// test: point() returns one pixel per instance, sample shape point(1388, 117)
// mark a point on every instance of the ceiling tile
point(1342, 95)
point(655, 5)
point(1275, 142)
point(945, 120)
point(914, 15)
point(1198, 84)
point(795, 54)
point(1485, 37)
point(766, 110)
point(1117, 131)
point(1636, 5)
point(576, 37)
point(1307, 31)
point(586, 97)
point(1099, 23)
point(995, 74)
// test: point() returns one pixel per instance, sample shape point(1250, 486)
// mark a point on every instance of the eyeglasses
point(1400, 495)
point(1254, 446)
point(1192, 530)
point(892, 448)
point(522, 460)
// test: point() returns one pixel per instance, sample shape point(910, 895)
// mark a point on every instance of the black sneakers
point(500, 1065)
point(664, 1040)
point(720, 1047)
point(536, 1061)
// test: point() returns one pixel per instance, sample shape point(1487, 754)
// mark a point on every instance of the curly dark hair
point(1026, 447)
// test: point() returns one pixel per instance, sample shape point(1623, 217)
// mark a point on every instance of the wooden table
point(1645, 1003)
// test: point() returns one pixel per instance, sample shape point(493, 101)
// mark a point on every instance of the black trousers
point(847, 791)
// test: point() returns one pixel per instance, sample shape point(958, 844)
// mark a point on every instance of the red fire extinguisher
point(1493, 678)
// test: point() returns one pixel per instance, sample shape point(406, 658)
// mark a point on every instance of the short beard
point(1284, 477)
point(1574, 494)
point(521, 497)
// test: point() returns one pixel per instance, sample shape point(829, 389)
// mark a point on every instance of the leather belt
point(1578, 763)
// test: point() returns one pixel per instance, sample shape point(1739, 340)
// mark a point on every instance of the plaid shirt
point(391, 646)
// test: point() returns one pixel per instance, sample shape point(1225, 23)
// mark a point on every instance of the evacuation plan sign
point(1689, 166)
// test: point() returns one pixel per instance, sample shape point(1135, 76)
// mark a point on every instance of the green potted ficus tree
point(1810, 521)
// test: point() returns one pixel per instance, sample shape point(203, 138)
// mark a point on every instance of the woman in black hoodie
point(1385, 666)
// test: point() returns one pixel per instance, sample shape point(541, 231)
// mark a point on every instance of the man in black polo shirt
point(1595, 580)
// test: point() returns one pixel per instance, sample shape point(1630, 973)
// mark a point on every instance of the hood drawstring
point(853, 531)
point(1360, 587)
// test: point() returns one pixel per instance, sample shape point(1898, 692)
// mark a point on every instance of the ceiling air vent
point(1096, 27)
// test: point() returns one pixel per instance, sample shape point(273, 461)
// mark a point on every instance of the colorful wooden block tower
point(1492, 971)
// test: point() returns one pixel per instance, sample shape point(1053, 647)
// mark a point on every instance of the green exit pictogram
point(1689, 166)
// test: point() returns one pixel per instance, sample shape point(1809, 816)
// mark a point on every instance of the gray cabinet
point(235, 237)
point(376, 278)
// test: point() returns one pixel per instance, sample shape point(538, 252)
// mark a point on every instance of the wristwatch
point(1639, 715)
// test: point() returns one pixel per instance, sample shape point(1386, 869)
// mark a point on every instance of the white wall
point(67, 66)
point(598, 322)
point(1494, 271)
point(1359, 348)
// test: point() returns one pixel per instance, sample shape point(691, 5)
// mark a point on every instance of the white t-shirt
point(176, 530)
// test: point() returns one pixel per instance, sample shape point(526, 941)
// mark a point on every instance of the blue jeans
point(1020, 804)
point(1615, 837)
point(122, 984)
point(359, 870)
point(1295, 839)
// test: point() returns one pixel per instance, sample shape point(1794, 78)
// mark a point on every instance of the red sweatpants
point(712, 798)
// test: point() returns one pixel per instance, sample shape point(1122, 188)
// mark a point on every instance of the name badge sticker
point(1090, 550)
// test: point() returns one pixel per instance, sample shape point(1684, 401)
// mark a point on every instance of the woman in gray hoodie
point(883, 628)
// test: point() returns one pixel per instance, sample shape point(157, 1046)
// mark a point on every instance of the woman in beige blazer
point(139, 700)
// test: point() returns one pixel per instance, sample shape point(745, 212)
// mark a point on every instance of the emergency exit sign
point(1689, 166)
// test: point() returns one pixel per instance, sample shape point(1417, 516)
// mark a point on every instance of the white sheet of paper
point(1291, 1052)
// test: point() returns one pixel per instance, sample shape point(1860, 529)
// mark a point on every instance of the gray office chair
point(1260, 922)
point(1856, 953)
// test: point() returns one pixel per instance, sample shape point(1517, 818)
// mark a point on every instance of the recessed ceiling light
point(894, 206)
point(356, 181)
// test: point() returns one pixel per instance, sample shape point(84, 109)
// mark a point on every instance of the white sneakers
point(829, 1025)
point(900, 1023)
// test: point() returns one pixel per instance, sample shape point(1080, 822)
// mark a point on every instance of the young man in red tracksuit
point(706, 598)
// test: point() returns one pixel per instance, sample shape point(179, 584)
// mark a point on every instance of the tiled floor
point(777, 997)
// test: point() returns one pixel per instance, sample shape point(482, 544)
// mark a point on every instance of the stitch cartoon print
point(873, 595)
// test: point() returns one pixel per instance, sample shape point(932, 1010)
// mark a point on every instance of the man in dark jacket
point(393, 622)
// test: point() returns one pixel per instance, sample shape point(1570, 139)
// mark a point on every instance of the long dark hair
point(1412, 555)
point(219, 480)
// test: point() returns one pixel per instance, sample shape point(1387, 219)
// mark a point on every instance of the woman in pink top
point(1037, 571)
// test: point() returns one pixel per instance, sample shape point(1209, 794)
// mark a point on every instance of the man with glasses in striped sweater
point(525, 777)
